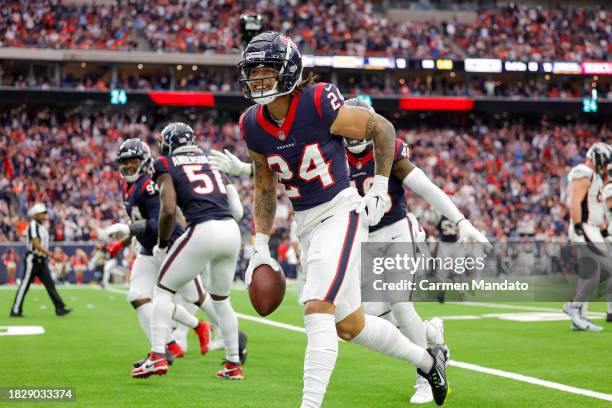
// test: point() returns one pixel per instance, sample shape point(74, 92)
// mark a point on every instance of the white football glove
point(160, 254)
point(228, 163)
point(469, 233)
point(260, 256)
point(375, 200)
point(119, 228)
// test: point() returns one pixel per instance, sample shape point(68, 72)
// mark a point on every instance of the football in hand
point(267, 289)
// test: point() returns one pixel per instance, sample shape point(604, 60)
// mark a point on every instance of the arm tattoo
point(383, 133)
point(264, 197)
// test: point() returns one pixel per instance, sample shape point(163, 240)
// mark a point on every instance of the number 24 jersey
point(307, 158)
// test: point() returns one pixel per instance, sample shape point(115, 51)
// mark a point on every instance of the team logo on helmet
point(175, 135)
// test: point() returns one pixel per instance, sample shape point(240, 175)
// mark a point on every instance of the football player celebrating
point(607, 193)
point(394, 226)
point(212, 239)
point(141, 200)
point(290, 136)
point(587, 226)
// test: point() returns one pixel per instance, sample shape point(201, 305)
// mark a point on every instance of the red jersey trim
point(274, 130)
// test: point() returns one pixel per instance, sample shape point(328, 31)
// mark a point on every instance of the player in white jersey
point(607, 193)
point(587, 220)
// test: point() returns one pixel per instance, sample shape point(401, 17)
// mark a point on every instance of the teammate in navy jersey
point(290, 136)
point(395, 226)
point(208, 204)
point(141, 200)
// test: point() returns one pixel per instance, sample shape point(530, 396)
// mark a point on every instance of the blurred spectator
point(9, 261)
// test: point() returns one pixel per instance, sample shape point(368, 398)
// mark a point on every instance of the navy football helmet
point(134, 149)
point(175, 135)
point(272, 50)
point(357, 146)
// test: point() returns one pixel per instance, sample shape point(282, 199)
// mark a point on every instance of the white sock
point(380, 335)
point(144, 313)
point(584, 310)
point(182, 316)
point(208, 308)
point(229, 328)
point(410, 323)
point(320, 357)
point(161, 320)
point(432, 333)
point(179, 334)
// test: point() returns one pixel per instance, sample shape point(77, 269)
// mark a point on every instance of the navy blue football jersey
point(362, 174)
point(200, 191)
point(308, 159)
point(141, 201)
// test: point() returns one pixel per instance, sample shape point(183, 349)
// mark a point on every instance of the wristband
point(578, 228)
point(163, 243)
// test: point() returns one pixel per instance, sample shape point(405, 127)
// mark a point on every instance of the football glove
point(160, 254)
point(260, 255)
point(228, 163)
point(374, 201)
point(119, 228)
point(469, 233)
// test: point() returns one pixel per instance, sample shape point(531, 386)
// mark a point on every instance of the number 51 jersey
point(200, 191)
point(308, 159)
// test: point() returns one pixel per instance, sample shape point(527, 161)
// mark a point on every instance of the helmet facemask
point(133, 149)
point(356, 146)
point(283, 85)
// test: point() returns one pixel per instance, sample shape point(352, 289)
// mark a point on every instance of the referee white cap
point(37, 209)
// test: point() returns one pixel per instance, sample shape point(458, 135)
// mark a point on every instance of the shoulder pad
point(580, 171)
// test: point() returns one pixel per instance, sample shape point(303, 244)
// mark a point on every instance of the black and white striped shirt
point(37, 230)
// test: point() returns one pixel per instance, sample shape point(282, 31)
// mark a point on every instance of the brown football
point(267, 289)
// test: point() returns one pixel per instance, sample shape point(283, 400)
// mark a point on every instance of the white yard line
point(466, 366)
point(532, 380)
point(513, 307)
point(454, 363)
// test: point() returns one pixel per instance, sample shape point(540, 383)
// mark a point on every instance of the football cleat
point(578, 323)
point(203, 332)
point(168, 357)
point(175, 350)
point(242, 346)
point(586, 326)
point(155, 364)
point(423, 394)
point(231, 371)
point(436, 377)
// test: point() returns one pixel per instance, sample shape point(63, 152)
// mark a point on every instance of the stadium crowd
point(214, 81)
point(513, 31)
point(505, 178)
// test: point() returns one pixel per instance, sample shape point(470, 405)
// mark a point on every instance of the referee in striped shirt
point(37, 264)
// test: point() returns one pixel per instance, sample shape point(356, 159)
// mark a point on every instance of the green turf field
point(93, 348)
